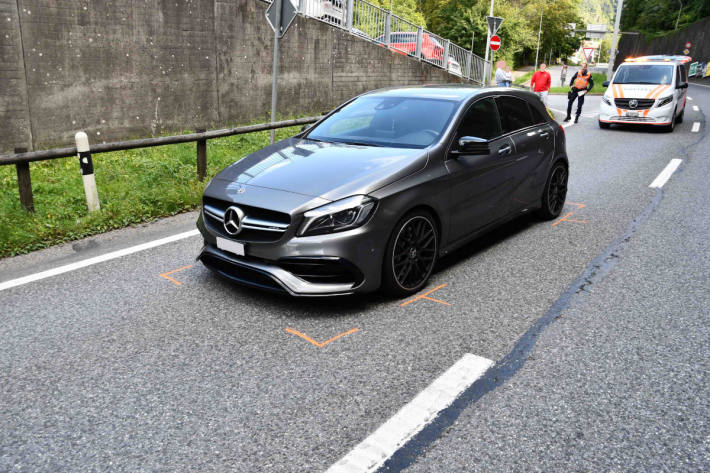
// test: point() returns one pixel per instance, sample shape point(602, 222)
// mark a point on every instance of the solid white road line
point(666, 173)
point(374, 451)
point(696, 127)
point(695, 108)
point(699, 85)
point(97, 259)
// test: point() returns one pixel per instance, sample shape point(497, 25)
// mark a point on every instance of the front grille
point(643, 104)
point(323, 270)
point(259, 225)
point(240, 274)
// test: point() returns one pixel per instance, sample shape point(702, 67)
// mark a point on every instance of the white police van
point(648, 90)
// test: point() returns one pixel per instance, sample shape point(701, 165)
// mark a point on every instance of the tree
point(406, 9)
point(656, 17)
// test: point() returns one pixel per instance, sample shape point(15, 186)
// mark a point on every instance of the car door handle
point(504, 150)
point(544, 134)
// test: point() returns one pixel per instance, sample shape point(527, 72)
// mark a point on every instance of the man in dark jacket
point(580, 84)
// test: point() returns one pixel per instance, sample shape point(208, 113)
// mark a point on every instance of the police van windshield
point(657, 74)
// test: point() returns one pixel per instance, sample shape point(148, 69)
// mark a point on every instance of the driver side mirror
point(473, 145)
point(682, 85)
point(605, 83)
point(306, 127)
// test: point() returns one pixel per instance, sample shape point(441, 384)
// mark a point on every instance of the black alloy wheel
point(555, 192)
point(411, 254)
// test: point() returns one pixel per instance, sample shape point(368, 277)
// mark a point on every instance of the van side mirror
point(306, 127)
point(473, 145)
point(605, 83)
point(682, 85)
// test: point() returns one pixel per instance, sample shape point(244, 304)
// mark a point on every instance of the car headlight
point(664, 101)
point(338, 216)
point(606, 100)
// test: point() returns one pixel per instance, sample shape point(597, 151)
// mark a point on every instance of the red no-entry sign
point(495, 42)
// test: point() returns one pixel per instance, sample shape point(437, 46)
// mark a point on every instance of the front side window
point(402, 122)
point(514, 113)
point(481, 121)
point(655, 74)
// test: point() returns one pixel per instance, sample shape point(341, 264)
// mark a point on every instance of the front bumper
point(324, 265)
point(652, 116)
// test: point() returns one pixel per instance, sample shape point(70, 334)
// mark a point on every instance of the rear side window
point(514, 113)
point(537, 116)
point(481, 120)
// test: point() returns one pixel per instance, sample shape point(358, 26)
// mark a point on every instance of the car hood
point(327, 170)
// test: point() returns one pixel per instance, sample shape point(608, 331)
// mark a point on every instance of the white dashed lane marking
point(666, 173)
point(374, 451)
point(695, 108)
point(696, 127)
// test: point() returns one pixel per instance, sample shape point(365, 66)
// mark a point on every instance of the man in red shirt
point(540, 83)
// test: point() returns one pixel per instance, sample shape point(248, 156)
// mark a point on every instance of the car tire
point(671, 127)
point(411, 254)
point(679, 118)
point(554, 193)
point(603, 125)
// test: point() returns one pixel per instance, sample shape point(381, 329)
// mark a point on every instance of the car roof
point(453, 92)
point(457, 93)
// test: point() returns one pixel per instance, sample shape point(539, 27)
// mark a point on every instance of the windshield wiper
point(359, 143)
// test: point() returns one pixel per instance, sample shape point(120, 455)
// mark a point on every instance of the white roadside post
point(87, 171)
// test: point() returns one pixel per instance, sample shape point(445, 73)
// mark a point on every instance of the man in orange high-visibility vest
point(580, 84)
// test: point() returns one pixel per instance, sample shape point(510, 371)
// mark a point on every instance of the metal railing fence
point(22, 158)
point(382, 27)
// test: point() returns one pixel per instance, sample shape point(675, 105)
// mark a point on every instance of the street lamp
point(679, 10)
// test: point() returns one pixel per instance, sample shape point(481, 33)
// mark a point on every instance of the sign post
point(280, 15)
point(494, 23)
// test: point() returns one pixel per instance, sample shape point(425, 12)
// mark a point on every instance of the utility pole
point(539, 30)
point(612, 52)
point(679, 10)
point(487, 74)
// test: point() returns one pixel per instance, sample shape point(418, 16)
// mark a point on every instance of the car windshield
point(402, 122)
point(656, 74)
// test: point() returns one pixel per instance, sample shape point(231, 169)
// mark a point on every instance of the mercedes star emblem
point(233, 217)
point(633, 103)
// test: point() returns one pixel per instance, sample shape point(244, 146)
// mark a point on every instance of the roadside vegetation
point(134, 186)
point(598, 81)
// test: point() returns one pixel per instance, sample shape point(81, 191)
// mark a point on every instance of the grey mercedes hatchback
point(372, 194)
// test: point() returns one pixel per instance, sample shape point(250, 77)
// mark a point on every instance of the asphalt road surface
point(596, 327)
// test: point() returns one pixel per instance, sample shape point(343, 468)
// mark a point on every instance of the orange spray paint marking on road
point(167, 275)
point(425, 296)
point(566, 217)
point(318, 344)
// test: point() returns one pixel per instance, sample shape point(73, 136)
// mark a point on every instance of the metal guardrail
point(22, 159)
point(382, 27)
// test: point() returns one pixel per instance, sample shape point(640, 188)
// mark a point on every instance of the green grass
point(597, 90)
point(134, 186)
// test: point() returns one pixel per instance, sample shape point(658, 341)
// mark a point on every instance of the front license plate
point(632, 114)
point(231, 246)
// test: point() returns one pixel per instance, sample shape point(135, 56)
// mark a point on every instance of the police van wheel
point(671, 126)
point(679, 118)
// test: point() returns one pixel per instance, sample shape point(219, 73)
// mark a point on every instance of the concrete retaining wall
point(125, 69)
